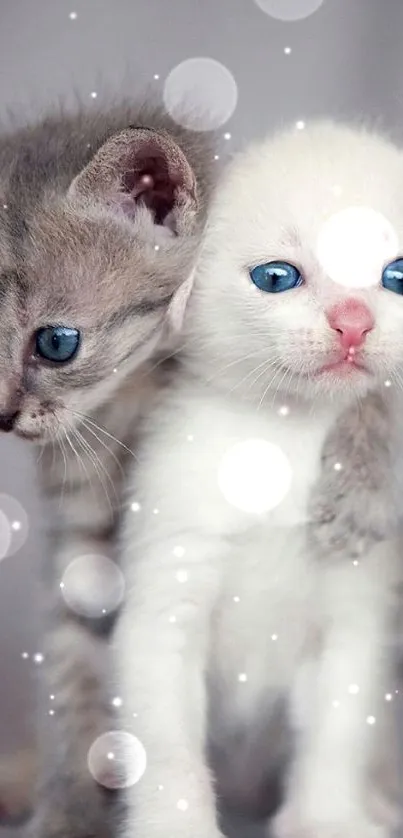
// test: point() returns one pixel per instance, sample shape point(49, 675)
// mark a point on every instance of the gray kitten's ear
point(142, 167)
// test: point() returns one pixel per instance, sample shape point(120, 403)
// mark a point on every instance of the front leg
point(336, 705)
point(70, 803)
point(162, 644)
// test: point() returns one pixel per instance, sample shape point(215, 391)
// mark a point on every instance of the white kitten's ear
point(142, 167)
point(177, 306)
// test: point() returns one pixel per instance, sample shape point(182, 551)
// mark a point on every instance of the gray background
point(345, 61)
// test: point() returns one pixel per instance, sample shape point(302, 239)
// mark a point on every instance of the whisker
point(75, 452)
point(43, 446)
point(102, 430)
point(233, 363)
point(268, 387)
point(59, 439)
point(98, 465)
point(104, 445)
point(269, 365)
point(80, 441)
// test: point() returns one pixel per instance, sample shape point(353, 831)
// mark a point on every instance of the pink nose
point(352, 320)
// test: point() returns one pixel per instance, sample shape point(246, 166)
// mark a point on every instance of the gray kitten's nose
point(8, 420)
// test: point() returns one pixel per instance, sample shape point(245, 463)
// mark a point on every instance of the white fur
point(255, 602)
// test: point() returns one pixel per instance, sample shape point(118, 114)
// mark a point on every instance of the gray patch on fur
point(348, 511)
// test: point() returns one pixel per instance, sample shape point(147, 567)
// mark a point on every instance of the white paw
point(290, 824)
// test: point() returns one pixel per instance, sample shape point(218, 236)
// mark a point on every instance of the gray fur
point(69, 255)
point(348, 513)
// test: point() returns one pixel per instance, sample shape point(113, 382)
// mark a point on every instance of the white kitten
point(251, 583)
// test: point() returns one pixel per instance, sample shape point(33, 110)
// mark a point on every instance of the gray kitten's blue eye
point(392, 277)
point(57, 343)
point(275, 277)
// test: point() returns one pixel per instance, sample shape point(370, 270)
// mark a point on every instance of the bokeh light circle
point(117, 759)
point(289, 10)
point(353, 246)
point(14, 526)
point(254, 475)
point(92, 586)
point(201, 94)
point(5, 535)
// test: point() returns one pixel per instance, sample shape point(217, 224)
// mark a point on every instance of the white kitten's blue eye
point(275, 277)
point(392, 277)
point(57, 344)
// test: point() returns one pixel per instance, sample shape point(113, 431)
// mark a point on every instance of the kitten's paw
point(291, 824)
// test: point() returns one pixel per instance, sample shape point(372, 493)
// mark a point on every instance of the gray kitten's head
point(93, 258)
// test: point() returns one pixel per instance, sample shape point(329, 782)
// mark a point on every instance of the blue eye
point(392, 277)
point(57, 343)
point(275, 277)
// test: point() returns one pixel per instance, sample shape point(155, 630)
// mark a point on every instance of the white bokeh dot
point(117, 759)
point(13, 526)
point(353, 246)
point(288, 10)
point(254, 476)
point(92, 586)
point(201, 94)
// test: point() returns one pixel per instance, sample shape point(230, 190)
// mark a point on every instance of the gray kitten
point(102, 218)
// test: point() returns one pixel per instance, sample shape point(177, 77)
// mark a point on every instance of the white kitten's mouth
point(344, 367)
point(348, 364)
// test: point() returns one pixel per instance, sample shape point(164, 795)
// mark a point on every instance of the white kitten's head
point(300, 286)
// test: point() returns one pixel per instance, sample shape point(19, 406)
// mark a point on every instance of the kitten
point(102, 218)
point(261, 595)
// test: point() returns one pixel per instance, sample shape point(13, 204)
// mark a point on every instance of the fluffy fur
point(262, 639)
point(100, 219)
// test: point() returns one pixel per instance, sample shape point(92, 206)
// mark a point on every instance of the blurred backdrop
point(248, 65)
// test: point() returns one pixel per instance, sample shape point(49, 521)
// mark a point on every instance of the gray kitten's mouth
point(30, 435)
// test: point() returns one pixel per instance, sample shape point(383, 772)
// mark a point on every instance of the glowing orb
point(201, 94)
point(289, 9)
point(14, 526)
point(117, 759)
point(254, 476)
point(5, 535)
point(353, 246)
point(92, 586)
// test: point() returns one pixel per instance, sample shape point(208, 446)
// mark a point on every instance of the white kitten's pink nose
point(352, 320)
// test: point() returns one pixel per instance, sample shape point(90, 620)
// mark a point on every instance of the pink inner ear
point(152, 185)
